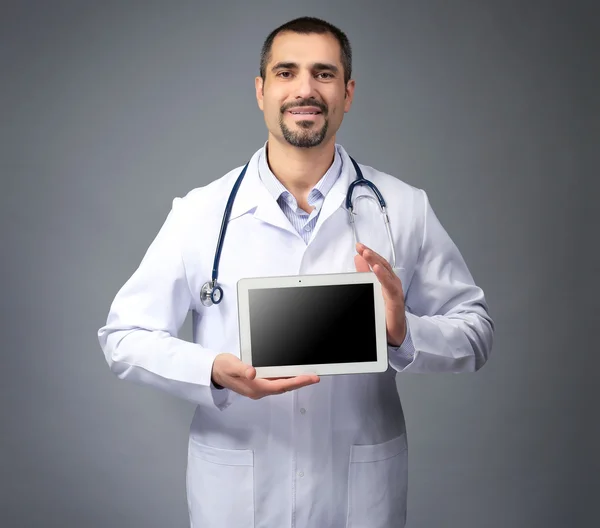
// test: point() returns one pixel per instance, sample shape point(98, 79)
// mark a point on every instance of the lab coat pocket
point(377, 484)
point(220, 486)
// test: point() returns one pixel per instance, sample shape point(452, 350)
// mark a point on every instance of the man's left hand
point(393, 294)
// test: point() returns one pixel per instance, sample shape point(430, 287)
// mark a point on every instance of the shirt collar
point(253, 196)
point(277, 189)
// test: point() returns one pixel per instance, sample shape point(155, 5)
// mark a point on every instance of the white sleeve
point(140, 340)
point(402, 355)
point(450, 329)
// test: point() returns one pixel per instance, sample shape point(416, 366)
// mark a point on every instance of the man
point(296, 452)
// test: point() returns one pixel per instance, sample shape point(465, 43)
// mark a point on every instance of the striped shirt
point(303, 222)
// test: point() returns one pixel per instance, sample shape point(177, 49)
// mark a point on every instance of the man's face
point(303, 96)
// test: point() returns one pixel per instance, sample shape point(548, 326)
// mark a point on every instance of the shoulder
point(393, 181)
point(396, 191)
point(393, 184)
point(209, 199)
point(213, 193)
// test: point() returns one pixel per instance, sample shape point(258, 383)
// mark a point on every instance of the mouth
point(304, 113)
point(304, 116)
point(307, 112)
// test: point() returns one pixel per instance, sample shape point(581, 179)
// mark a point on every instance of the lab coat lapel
point(269, 211)
point(336, 196)
point(254, 196)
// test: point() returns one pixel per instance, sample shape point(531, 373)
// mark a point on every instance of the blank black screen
point(312, 325)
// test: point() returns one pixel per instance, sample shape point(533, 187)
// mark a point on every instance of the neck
point(299, 169)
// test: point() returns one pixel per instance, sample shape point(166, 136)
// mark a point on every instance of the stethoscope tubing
point(212, 293)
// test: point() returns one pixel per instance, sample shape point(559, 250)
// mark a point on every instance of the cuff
point(402, 356)
point(222, 397)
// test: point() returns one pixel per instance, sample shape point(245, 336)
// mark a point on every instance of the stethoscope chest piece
point(211, 294)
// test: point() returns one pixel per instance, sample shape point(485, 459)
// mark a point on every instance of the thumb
point(245, 371)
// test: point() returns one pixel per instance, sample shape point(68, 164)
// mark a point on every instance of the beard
point(306, 135)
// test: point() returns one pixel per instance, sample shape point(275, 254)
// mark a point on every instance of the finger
point(361, 264)
point(382, 269)
point(373, 258)
point(390, 283)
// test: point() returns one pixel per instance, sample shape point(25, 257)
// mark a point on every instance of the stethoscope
point(211, 293)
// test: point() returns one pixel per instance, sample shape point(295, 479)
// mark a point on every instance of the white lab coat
point(331, 455)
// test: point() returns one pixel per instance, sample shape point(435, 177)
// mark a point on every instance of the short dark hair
point(306, 26)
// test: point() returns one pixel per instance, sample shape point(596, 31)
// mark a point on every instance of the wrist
point(212, 378)
point(397, 342)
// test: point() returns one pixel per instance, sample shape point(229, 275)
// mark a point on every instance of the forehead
point(305, 49)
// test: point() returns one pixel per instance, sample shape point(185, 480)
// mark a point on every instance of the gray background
point(110, 109)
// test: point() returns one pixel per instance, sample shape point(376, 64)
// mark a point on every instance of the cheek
point(274, 112)
point(273, 107)
point(336, 111)
point(269, 110)
point(337, 106)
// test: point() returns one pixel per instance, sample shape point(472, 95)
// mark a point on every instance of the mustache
point(306, 102)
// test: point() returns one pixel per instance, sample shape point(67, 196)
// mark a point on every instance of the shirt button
point(303, 411)
point(301, 474)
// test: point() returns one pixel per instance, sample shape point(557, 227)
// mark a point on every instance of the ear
point(349, 95)
point(259, 87)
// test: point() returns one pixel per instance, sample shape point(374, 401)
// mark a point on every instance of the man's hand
point(393, 294)
point(229, 372)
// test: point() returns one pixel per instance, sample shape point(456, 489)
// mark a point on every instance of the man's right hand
point(230, 372)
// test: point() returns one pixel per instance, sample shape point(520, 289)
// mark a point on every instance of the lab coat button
point(301, 474)
point(302, 411)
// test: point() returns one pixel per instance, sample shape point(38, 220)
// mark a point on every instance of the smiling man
point(304, 90)
point(322, 93)
point(298, 452)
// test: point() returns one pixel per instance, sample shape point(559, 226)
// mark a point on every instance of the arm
point(443, 318)
point(140, 340)
point(446, 312)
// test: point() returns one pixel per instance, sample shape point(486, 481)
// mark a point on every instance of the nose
point(305, 86)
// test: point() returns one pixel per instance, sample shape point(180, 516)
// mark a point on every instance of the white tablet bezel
point(299, 281)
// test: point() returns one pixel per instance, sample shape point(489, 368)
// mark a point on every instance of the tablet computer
point(312, 324)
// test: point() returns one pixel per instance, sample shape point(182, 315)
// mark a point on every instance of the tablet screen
point(312, 325)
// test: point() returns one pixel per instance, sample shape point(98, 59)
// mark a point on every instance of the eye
point(327, 75)
point(284, 74)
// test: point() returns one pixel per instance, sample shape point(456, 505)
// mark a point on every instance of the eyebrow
point(317, 66)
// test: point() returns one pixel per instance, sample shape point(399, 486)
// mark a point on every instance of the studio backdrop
point(109, 110)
